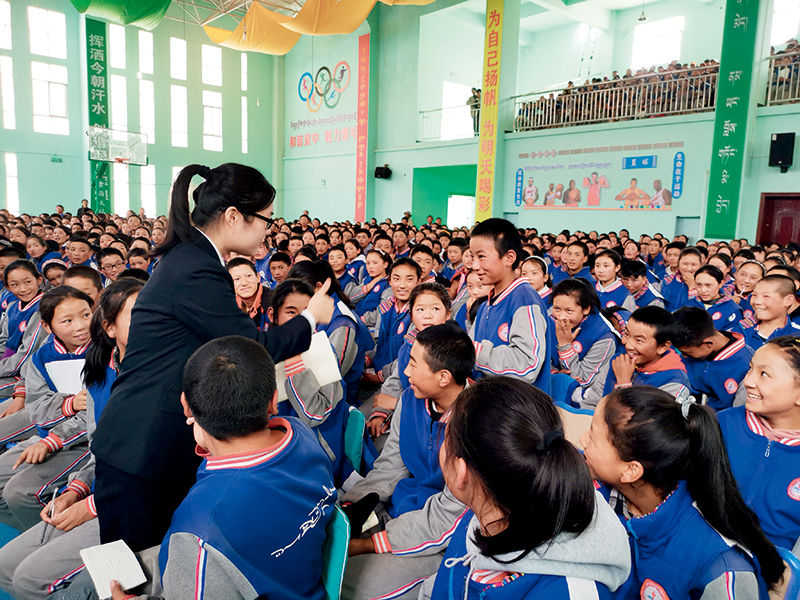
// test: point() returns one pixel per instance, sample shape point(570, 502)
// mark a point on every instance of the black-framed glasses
point(266, 220)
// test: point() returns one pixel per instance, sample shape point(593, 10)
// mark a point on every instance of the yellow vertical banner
point(487, 117)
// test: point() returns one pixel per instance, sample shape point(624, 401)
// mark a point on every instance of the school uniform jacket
point(676, 293)
point(392, 325)
point(254, 524)
point(561, 274)
point(368, 297)
point(510, 335)
point(348, 283)
point(616, 294)
point(768, 474)
point(725, 313)
point(721, 377)
point(649, 296)
point(394, 375)
point(668, 374)
point(187, 302)
point(357, 269)
point(22, 333)
point(755, 340)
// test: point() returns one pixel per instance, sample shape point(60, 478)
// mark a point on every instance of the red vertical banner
point(362, 126)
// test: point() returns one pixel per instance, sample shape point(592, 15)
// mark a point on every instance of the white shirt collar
point(213, 245)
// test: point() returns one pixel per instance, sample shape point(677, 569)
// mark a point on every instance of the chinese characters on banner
point(329, 136)
point(361, 127)
point(730, 121)
point(487, 142)
point(96, 62)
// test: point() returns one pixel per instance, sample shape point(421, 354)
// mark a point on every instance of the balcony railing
point(644, 97)
point(453, 123)
point(784, 78)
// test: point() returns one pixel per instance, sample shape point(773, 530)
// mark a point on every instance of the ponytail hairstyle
point(316, 272)
point(646, 425)
point(711, 271)
point(580, 291)
point(511, 438)
point(230, 184)
point(111, 303)
point(384, 257)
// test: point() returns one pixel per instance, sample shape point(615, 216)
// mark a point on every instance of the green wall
point(434, 185)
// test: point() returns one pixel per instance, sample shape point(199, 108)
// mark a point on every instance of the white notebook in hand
point(66, 374)
point(112, 562)
point(319, 358)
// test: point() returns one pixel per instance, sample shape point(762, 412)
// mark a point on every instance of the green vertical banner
point(97, 70)
point(730, 119)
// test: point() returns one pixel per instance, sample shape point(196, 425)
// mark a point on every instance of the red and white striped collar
point(504, 294)
point(62, 349)
point(30, 304)
point(737, 345)
point(545, 292)
point(785, 323)
point(757, 427)
point(250, 459)
point(613, 286)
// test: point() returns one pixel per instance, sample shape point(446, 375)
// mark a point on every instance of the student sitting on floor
point(771, 300)
point(252, 297)
point(394, 319)
point(725, 313)
point(610, 289)
point(633, 274)
point(716, 361)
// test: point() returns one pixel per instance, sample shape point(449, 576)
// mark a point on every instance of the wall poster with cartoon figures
point(611, 178)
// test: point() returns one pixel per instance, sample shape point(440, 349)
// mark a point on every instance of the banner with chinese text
point(97, 76)
point(362, 128)
point(487, 141)
point(730, 121)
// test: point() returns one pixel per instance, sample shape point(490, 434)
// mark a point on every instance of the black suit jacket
point(187, 302)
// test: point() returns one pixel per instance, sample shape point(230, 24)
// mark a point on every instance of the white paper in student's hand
point(66, 375)
point(112, 562)
point(319, 358)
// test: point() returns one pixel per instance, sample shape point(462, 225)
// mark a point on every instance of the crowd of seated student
point(673, 89)
point(454, 343)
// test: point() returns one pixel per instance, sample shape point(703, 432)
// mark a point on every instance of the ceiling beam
point(590, 14)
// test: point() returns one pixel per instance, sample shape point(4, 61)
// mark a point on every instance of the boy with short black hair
point(417, 511)
point(672, 253)
point(423, 256)
point(279, 266)
point(79, 252)
point(510, 330)
point(214, 547)
point(85, 279)
point(716, 361)
point(400, 241)
point(771, 299)
point(140, 259)
point(634, 277)
point(112, 263)
point(649, 358)
point(575, 259)
point(455, 253)
point(393, 318)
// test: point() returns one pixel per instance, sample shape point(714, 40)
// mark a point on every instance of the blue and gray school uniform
point(392, 325)
point(725, 313)
point(583, 566)
point(367, 298)
point(649, 296)
point(755, 340)
point(720, 377)
point(348, 283)
point(215, 547)
point(45, 257)
point(559, 275)
point(748, 314)
point(668, 374)
point(677, 554)
point(357, 269)
point(263, 270)
point(21, 334)
point(510, 335)
point(616, 294)
point(676, 293)
point(768, 474)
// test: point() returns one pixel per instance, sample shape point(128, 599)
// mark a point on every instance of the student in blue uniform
point(138, 258)
point(337, 259)
point(763, 440)
point(394, 319)
point(669, 480)
point(39, 252)
point(716, 361)
point(510, 330)
point(633, 274)
point(214, 547)
point(534, 269)
point(8, 254)
point(610, 289)
point(251, 296)
point(574, 264)
point(723, 262)
point(725, 313)
point(79, 252)
point(772, 299)
point(111, 263)
point(455, 258)
point(649, 358)
point(586, 343)
point(371, 294)
point(678, 290)
point(356, 263)
point(748, 275)
point(535, 527)
point(261, 259)
point(475, 294)
point(279, 265)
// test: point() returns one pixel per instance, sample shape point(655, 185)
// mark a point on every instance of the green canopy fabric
point(146, 14)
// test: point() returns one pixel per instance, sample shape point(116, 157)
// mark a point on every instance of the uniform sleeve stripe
point(309, 415)
point(401, 591)
point(599, 365)
point(533, 367)
point(200, 570)
point(49, 483)
point(437, 542)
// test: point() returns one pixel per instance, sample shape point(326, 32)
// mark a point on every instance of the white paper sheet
point(319, 358)
point(66, 374)
point(114, 561)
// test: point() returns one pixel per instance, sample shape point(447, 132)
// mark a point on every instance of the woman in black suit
point(145, 453)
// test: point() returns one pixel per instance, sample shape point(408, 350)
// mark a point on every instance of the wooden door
point(779, 219)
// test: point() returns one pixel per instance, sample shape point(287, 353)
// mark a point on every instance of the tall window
point(7, 92)
point(180, 118)
point(119, 102)
point(116, 46)
point(147, 110)
point(212, 65)
point(212, 120)
point(657, 43)
point(177, 58)
point(149, 190)
point(48, 32)
point(12, 183)
point(244, 71)
point(175, 172)
point(244, 124)
point(5, 25)
point(145, 52)
point(49, 98)
point(122, 199)
point(785, 21)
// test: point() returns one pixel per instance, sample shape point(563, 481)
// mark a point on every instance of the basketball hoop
point(122, 161)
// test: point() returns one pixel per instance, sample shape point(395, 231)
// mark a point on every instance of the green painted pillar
point(97, 78)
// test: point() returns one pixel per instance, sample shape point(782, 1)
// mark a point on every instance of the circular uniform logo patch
point(400, 328)
point(502, 332)
point(376, 287)
point(23, 326)
point(794, 490)
point(610, 303)
point(652, 591)
point(748, 313)
point(731, 386)
point(577, 346)
point(716, 316)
